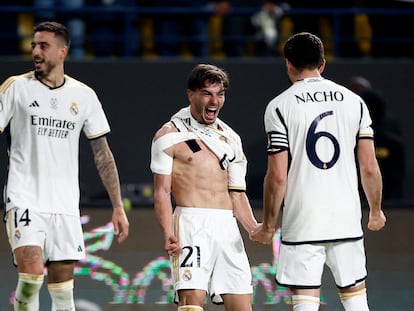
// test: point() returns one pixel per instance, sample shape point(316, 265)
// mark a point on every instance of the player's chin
point(39, 72)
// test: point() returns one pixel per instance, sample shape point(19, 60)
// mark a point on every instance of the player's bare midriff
point(198, 180)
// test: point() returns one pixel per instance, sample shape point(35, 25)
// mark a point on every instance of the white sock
point(190, 308)
point(62, 296)
point(27, 292)
point(305, 303)
point(355, 301)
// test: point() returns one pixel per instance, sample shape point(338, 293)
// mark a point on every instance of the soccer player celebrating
point(313, 129)
point(45, 112)
point(199, 159)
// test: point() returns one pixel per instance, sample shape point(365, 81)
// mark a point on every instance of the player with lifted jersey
point(197, 159)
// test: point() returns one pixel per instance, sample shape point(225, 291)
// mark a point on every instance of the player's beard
point(47, 69)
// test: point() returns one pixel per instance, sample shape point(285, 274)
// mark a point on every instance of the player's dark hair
point(58, 29)
point(304, 51)
point(206, 72)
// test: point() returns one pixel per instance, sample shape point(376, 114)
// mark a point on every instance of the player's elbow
point(369, 168)
point(276, 179)
point(370, 172)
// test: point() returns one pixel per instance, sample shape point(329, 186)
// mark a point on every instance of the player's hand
point(172, 247)
point(376, 221)
point(262, 235)
point(121, 224)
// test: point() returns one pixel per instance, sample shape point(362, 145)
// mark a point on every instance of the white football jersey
point(319, 122)
point(45, 125)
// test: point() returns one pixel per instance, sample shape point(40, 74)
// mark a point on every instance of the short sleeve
point(276, 130)
point(96, 123)
point(6, 104)
point(365, 129)
point(237, 169)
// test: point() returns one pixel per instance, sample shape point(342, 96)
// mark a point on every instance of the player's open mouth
point(211, 112)
point(38, 62)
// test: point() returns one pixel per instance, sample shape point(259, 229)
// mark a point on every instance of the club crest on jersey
point(74, 109)
point(53, 103)
point(187, 276)
point(17, 234)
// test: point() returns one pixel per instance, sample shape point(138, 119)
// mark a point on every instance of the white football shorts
point(213, 257)
point(301, 266)
point(59, 236)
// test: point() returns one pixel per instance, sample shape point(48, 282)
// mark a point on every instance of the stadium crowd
point(212, 28)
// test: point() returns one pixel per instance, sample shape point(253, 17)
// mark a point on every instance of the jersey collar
point(48, 86)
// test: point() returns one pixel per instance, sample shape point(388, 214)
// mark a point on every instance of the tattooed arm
point(105, 163)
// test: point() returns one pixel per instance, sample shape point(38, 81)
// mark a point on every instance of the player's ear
point(322, 66)
point(189, 94)
point(63, 51)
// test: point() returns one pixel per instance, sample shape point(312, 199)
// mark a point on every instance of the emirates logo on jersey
point(74, 109)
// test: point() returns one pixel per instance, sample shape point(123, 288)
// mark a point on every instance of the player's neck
point(53, 79)
point(306, 74)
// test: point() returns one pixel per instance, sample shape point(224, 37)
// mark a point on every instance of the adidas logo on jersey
point(34, 104)
point(80, 249)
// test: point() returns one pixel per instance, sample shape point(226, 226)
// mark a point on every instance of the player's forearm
point(273, 194)
point(243, 211)
point(372, 185)
point(162, 203)
point(163, 213)
point(106, 166)
point(370, 173)
point(110, 179)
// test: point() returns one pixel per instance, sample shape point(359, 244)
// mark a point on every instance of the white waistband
point(179, 210)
